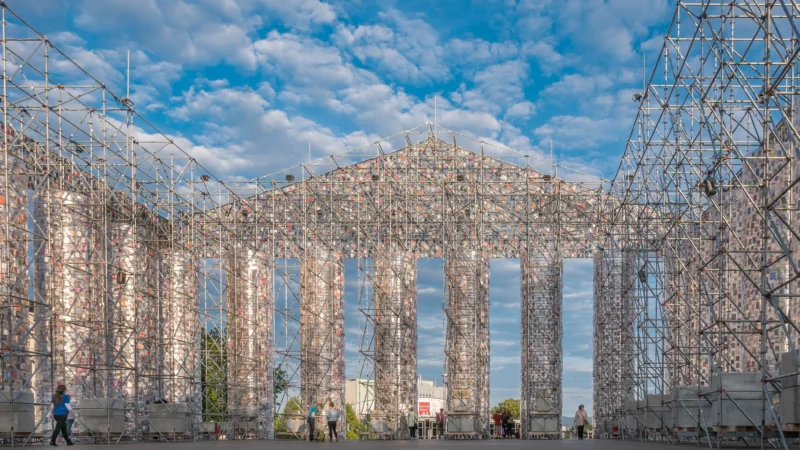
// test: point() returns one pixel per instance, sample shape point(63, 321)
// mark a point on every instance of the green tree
point(213, 375)
point(293, 405)
point(510, 404)
point(354, 426)
point(280, 383)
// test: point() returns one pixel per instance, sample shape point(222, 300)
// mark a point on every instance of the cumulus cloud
point(407, 49)
point(242, 120)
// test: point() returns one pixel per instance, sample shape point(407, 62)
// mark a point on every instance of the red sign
point(424, 408)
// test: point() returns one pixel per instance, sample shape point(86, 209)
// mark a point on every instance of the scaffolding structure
point(707, 226)
point(166, 299)
point(113, 274)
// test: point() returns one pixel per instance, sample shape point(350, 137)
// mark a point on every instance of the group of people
point(503, 425)
point(331, 414)
point(412, 420)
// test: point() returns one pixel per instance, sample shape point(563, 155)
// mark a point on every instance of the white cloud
point(521, 110)
point(546, 56)
point(577, 132)
point(301, 13)
point(468, 52)
point(194, 34)
point(258, 139)
point(577, 364)
point(407, 49)
point(495, 87)
point(577, 85)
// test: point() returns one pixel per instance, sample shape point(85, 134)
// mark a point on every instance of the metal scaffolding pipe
point(540, 405)
point(609, 358)
point(467, 274)
point(250, 321)
point(15, 305)
point(181, 329)
point(395, 301)
point(322, 327)
point(66, 278)
point(133, 318)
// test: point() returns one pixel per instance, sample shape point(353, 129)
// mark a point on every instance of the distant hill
point(568, 421)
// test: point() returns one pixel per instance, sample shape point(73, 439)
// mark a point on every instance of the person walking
point(440, 423)
point(312, 420)
point(505, 418)
point(497, 418)
point(411, 421)
point(59, 411)
point(333, 420)
point(580, 420)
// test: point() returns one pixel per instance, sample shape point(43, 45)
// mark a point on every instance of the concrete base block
point(789, 365)
point(100, 416)
point(543, 424)
point(17, 411)
point(379, 422)
point(657, 413)
point(741, 407)
point(686, 407)
point(790, 405)
point(460, 423)
point(169, 418)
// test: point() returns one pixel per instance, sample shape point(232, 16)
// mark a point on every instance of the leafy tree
point(213, 374)
point(510, 404)
point(354, 426)
point(280, 383)
point(293, 405)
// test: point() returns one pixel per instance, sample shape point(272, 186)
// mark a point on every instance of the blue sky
point(246, 85)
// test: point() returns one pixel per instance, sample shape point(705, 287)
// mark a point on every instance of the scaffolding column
point(65, 279)
point(250, 319)
point(395, 301)
point(610, 391)
point(467, 351)
point(133, 316)
point(16, 308)
point(322, 327)
point(180, 349)
point(540, 405)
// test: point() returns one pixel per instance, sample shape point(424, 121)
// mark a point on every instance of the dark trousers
point(413, 431)
point(440, 426)
point(332, 430)
point(508, 430)
point(580, 431)
point(311, 428)
point(61, 427)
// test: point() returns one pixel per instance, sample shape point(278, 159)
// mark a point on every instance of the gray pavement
point(396, 445)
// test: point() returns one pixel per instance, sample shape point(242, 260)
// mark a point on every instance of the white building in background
point(430, 398)
point(360, 394)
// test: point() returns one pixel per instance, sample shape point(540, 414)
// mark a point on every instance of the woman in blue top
point(333, 418)
point(60, 408)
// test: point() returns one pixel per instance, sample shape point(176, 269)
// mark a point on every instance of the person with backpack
point(333, 419)
point(440, 422)
point(506, 421)
point(312, 420)
point(59, 411)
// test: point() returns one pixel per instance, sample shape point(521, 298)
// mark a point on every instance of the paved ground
point(398, 445)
